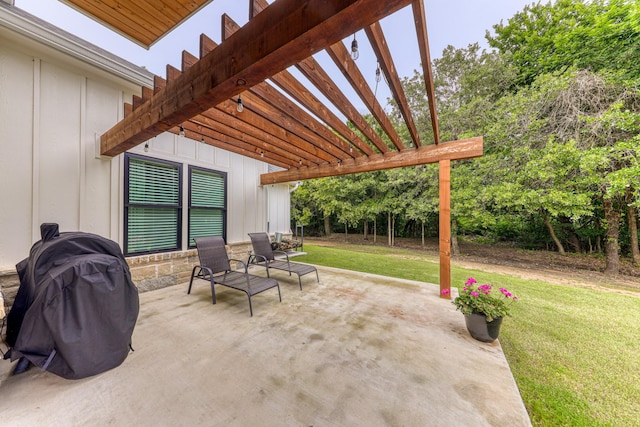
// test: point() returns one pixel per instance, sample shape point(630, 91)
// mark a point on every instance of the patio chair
point(264, 254)
point(215, 267)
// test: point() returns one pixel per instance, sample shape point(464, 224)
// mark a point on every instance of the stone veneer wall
point(149, 272)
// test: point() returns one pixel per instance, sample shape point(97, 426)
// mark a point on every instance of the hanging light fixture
point(146, 147)
point(354, 48)
point(202, 139)
point(378, 74)
point(181, 130)
point(240, 106)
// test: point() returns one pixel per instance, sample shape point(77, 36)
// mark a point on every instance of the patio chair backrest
point(212, 253)
point(261, 245)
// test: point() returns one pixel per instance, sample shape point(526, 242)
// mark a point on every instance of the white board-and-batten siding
point(53, 109)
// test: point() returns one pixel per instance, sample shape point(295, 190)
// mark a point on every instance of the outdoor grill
point(76, 307)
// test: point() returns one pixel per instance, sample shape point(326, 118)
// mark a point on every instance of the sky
point(450, 22)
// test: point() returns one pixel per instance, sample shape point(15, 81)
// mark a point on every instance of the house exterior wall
point(53, 109)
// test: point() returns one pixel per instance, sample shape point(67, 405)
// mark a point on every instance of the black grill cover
point(76, 307)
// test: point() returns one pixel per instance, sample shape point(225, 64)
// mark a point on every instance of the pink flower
point(471, 281)
point(485, 289)
point(475, 294)
point(445, 292)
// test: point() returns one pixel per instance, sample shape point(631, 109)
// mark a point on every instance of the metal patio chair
point(264, 254)
point(216, 268)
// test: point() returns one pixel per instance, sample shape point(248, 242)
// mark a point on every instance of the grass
point(573, 352)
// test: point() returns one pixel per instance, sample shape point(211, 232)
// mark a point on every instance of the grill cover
point(76, 307)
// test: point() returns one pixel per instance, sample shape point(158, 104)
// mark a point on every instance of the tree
point(594, 35)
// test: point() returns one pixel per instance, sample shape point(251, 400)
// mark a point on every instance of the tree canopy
point(558, 103)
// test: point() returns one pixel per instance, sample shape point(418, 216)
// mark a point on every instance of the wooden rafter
point(193, 129)
point(381, 49)
point(293, 141)
point(341, 57)
point(296, 119)
point(248, 57)
point(423, 44)
point(226, 133)
point(224, 124)
point(321, 80)
point(285, 81)
point(280, 112)
point(227, 123)
point(334, 145)
point(288, 149)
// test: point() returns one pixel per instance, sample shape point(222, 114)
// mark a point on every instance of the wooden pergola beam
point(312, 70)
point(281, 110)
point(423, 44)
point(228, 133)
point(454, 150)
point(381, 49)
point(227, 120)
point(209, 136)
point(342, 58)
point(301, 147)
point(248, 57)
point(282, 148)
point(321, 80)
point(289, 84)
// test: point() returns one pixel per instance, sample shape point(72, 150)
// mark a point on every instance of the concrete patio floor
point(352, 350)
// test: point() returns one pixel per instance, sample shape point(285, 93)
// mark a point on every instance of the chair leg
point(317, 277)
point(193, 272)
point(213, 291)
point(300, 281)
point(250, 306)
point(279, 294)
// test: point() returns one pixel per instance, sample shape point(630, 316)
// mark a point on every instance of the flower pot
point(482, 330)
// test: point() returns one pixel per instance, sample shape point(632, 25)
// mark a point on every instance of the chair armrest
point(202, 268)
point(283, 253)
point(255, 257)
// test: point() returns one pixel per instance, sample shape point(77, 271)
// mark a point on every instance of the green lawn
point(574, 352)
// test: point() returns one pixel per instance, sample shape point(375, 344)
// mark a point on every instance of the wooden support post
point(445, 229)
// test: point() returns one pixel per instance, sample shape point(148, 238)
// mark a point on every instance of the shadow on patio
point(354, 350)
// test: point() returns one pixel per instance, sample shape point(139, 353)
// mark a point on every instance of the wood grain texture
point(454, 150)
point(143, 21)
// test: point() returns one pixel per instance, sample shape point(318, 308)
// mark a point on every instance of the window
point(153, 207)
point(207, 203)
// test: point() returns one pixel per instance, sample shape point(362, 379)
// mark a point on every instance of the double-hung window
point(207, 203)
point(153, 205)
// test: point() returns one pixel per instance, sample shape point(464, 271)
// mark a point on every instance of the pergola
point(296, 131)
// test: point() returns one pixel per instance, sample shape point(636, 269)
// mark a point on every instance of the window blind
point(207, 204)
point(153, 206)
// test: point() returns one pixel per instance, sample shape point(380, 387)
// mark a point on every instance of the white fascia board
point(20, 22)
